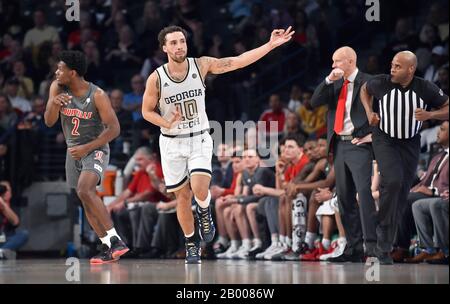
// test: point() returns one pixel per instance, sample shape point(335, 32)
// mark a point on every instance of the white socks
point(282, 239)
point(257, 242)
point(289, 242)
point(107, 239)
point(223, 240)
point(246, 243)
point(326, 243)
point(204, 204)
point(235, 244)
point(189, 235)
point(275, 238)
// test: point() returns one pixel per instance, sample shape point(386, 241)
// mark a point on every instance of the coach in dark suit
point(349, 136)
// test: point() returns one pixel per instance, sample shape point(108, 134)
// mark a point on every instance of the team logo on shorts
point(98, 168)
point(98, 156)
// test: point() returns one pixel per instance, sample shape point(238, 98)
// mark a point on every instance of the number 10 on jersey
point(188, 109)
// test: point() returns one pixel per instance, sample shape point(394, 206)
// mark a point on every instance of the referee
point(403, 103)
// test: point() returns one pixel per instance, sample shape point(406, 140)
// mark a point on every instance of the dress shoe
point(438, 259)
point(399, 255)
point(418, 258)
point(385, 258)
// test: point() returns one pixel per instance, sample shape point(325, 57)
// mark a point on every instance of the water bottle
point(118, 183)
point(299, 209)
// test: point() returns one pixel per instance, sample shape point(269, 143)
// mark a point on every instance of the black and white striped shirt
point(396, 105)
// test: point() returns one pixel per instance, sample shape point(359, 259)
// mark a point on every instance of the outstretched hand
point(280, 36)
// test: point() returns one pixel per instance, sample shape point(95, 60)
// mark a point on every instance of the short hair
point(295, 137)
point(167, 30)
point(75, 60)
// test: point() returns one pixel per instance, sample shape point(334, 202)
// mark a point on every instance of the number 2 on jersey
point(76, 124)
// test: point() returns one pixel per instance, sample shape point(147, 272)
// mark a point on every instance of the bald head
point(345, 58)
point(408, 58)
point(403, 67)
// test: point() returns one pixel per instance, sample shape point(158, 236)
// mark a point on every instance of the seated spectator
point(17, 102)
point(443, 79)
point(432, 184)
point(291, 163)
point(223, 201)
point(276, 113)
point(40, 33)
point(438, 58)
point(295, 98)
point(134, 210)
point(293, 126)
point(10, 239)
point(313, 120)
point(431, 218)
point(222, 171)
point(322, 176)
point(133, 101)
point(7, 115)
point(126, 123)
point(252, 175)
point(26, 88)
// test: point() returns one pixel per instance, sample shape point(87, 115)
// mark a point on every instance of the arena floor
point(215, 272)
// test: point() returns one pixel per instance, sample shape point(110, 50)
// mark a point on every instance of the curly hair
point(75, 60)
point(167, 30)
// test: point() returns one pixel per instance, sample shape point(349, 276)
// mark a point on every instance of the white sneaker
point(227, 254)
point(338, 251)
point(260, 256)
point(280, 248)
point(241, 254)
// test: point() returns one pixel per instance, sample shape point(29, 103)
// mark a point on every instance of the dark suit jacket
point(326, 94)
point(441, 181)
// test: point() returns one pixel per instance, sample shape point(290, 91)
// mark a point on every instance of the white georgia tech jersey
point(188, 95)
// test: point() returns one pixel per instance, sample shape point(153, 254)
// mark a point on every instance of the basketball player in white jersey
point(174, 99)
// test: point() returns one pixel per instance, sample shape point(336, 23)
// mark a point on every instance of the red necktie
point(340, 110)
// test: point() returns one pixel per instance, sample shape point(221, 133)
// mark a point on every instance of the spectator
point(19, 103)
point(7, 115)
point(157, 57)
point(124, 56)
point(431, 215)
point(133, 101)
point(438, 58)
point(40, 33)
point(125, 118)
point(223, 201)
point(432, 184)
point(26, 88)
point(276, 113)
point(74, 40)
point(222, 173)
point(10, 239)
point(443, 79)
point(295, 98)
point(134, 210)
point(287, 168)
point(313, 119)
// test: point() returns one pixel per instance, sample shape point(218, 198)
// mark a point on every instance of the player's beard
point(178, 59)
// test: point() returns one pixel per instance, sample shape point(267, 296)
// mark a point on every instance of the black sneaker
point(103, 257)
point(205, 223)
point(193, 252)
point(253, 252)
point(118, 247)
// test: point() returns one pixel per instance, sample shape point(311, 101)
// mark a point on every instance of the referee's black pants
point(397, 161)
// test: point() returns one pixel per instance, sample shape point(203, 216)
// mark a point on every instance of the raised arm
point(150, 100)
point(55, 101)
point(223, 65)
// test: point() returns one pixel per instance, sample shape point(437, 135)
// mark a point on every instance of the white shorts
point(184, 157)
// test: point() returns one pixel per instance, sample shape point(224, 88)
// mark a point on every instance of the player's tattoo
point(224, 64)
